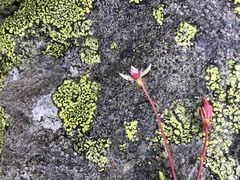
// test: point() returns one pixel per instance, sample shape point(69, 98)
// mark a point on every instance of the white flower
point(135, 73)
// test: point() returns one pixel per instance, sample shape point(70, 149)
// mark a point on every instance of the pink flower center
point(134, 75)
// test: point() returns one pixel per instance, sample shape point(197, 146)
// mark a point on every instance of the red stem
point(202, 155)
point(162, 132)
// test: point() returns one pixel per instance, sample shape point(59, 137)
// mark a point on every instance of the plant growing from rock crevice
point(136, 75)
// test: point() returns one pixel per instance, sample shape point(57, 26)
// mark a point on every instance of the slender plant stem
point(162, 132)
point(202, 157)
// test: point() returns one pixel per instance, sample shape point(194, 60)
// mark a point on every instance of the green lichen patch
point(185, 33)
point(8, 59)
point(77, 103)
point(237, 10)
point(158, 14)
point(161, 175)
point(130, 128)
point(89, 53)
point(94, 150)
point(3, 124)
point(61, 23)
point(180, 123)
point(226, 122)
point(114, 45)
point(123, 146)
point(135, 1)
point(226, 92)
point(8, 3)
point(236, 1)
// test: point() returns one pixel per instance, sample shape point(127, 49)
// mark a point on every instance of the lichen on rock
point(185, 33)
point(181, 126)
point(3, 124)
point(88, 52)
point(158, 14)
point(61, 23)
point(226, 122)
point(135, 1)
point(94, 150)
point(131, 128)
point(77, 103)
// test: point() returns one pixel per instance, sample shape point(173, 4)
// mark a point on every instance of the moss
point(60, 22)
point(3, 124)
point(130, 128)
point(158, 14)
point(180, 123)
point(185, 33)
point(135, 1)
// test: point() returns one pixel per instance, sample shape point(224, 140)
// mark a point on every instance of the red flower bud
point(205, 114)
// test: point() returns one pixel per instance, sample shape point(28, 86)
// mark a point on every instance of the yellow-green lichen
point(94, 150)
point(158, 14)
point(225, 87)
point(123, 146)
point(77, 103)
point(236, 1)
point(179, 124)
point(130, 128)
point(114, 45)
point(60, 23)
point(237, 10)
point(7, 59)
point(3, 124)
point(185, 33)
point(89, 53)
point(135, 1)
point(161, 175)
point(7, 3)
point(226, 122)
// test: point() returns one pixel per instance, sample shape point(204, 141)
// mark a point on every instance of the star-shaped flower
point(136, 75)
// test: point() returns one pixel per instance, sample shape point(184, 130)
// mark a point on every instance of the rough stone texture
point(37, 150)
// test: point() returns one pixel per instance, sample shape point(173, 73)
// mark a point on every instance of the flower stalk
point(205, 114)
point(137, 76)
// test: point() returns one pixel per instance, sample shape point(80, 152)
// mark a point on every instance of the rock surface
point(37, 147)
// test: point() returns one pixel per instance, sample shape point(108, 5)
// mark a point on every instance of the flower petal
point(127, 77)
point(146, 71)
point(134, 70)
